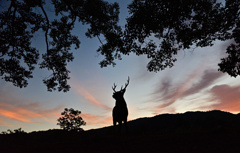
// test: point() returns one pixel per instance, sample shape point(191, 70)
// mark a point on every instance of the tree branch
point(46, 33)
point(10, 7)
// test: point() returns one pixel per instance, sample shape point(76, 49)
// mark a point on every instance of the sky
point(193, 84)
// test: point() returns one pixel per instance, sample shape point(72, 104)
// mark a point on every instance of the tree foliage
point(155, 28)
point(182, 24)
point(71, 120)
point(21, 21)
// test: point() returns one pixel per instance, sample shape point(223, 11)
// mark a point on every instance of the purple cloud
point(168, 93)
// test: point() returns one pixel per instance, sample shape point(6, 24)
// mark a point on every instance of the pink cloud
point(228, 97)
point(17, 113)
point(26, 113)
point(87, 95)
point(90, 97)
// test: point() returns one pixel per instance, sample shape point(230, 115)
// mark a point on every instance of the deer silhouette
point(120, 111)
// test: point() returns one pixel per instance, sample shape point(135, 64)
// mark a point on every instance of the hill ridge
point(211, 131)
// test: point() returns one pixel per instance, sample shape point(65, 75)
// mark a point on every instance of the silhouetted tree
point(23, 18)
point(173, 24)
point(182, 24)
point(71, 120)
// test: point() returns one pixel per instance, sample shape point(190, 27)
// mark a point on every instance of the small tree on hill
point(16, 131)
point(71, 120)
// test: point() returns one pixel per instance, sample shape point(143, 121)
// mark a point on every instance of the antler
point(126, 84)
point(114, 87)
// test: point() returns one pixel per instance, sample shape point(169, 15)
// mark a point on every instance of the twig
point(99, 40)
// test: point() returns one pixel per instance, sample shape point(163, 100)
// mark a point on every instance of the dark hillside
point(213, 131)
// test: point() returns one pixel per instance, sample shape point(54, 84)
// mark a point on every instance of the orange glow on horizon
point(94, 119)
point(233, 107)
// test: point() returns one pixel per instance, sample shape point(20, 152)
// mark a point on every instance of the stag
point(120, 111)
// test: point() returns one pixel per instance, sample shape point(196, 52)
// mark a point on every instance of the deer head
point(119, 94)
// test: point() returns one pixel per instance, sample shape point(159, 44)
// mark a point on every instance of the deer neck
point(121, 102)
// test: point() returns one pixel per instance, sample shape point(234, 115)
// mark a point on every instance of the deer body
point(120, 111)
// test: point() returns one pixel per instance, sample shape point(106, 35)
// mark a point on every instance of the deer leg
point(120, 126)
point(126, 127)
point(114, 125)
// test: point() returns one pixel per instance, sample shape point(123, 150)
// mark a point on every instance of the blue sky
point(193, 84)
